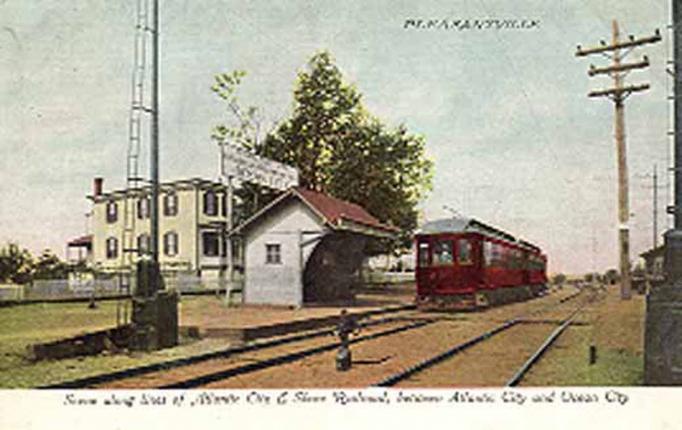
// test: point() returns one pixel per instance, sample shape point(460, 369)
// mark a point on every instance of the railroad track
point(285, 358)
point(251, 370)
point(142, 371)
point(210, 368)
point(459, 348)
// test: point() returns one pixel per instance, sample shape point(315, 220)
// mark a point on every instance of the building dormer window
point(210, 203)
point(112, 247)
point(143, 208)
point(170, 204)
point(112, 212)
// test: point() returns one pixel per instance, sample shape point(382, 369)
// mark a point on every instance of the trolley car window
point(497, 255)
point(487, 254)
point(464, 254)
point(512, 259)
point(442, 253)
point(423, 254)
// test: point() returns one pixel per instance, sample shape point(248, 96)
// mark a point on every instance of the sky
point(505, 114)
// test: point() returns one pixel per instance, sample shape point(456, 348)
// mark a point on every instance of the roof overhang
point(342, 224)
point(367, 230)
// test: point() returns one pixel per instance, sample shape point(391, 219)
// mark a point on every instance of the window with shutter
point(170, 204)
point(112, 247)
point(210, 203)
point(112, 212)
point(143, 208)
point(170, 243)
point(210, 243)
point(143, 244)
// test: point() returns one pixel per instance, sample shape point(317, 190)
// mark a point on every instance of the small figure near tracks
point(92, 304)
point(347, 325)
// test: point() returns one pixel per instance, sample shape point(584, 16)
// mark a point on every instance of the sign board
point(245, 166)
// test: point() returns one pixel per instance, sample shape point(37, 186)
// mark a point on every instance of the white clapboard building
point(305, 247)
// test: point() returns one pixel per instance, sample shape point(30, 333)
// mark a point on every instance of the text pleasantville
point(470, 24)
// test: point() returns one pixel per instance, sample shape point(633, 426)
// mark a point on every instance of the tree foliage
point(338, 147)
point(17, 265)
point(49, 266)
point(243, 128)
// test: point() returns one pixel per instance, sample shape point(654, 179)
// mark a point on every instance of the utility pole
point(227, 258)
point(154, 147)
point(617, 51)
point(655, 204)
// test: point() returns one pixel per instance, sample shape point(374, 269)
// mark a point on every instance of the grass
point(21, 326)
point(616, 328)
point(567, 364)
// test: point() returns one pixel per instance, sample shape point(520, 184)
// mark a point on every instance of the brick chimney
point(97, 186)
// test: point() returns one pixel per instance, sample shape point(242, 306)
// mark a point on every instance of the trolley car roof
point(471, 225)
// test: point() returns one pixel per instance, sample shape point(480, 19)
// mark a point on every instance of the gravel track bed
point(178, 374)
point(373, 360)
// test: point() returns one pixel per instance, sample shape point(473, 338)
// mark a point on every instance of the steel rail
point(423, 365)
point(186, 361)
point(283, 359)
point(429, 362)
point(288, 358)
point(518, 376)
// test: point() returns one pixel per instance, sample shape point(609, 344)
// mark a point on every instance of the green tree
point(341, 149)
point(242, 127)
point(49, 266)
point(327, 115)
point(16, 264)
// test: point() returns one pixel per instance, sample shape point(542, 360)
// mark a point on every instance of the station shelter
point(305, 247)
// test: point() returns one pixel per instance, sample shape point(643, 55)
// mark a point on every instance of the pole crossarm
point(620, 68)
point(618, 91)
point(619, 45)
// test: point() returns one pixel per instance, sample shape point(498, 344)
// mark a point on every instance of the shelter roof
point(334, 213)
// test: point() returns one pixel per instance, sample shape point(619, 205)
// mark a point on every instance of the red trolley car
point(463, 263)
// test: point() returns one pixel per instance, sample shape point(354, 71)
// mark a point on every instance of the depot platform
point(248, 322)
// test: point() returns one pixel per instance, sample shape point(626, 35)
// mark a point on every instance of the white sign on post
point(245, 166)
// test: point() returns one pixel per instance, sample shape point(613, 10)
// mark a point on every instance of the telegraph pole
point(617, 51)
point(655, 204)
point(154, 147)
